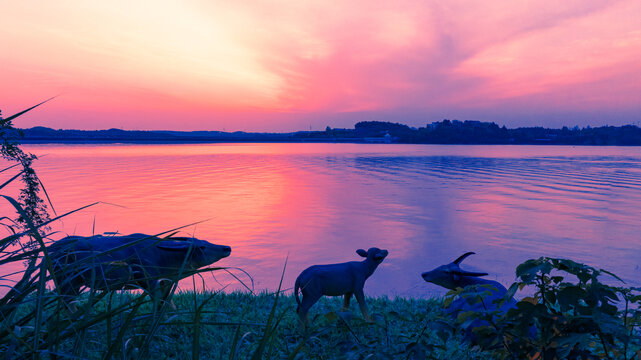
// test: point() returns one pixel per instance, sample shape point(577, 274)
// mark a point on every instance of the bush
point(570, 315)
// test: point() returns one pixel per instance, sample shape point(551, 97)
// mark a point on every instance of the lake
point(318, 203)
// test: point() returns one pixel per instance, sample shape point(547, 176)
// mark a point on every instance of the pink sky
point(283, 65)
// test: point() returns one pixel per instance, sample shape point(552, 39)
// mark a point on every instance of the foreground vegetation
point(242, 325)
point(232, 326)
point(570, 314)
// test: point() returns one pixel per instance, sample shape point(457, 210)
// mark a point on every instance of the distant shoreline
point(368, 132)
point(184, 141)
point(143, 142)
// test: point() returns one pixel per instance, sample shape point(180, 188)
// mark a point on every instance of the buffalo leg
point(360, 297)
point(346, 299)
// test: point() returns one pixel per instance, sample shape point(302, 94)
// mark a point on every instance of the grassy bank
point(231, 326)
point(398, 324)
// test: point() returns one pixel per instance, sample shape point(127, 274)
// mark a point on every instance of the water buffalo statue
point(128, 262)
point(490, 293)
point(335, 280)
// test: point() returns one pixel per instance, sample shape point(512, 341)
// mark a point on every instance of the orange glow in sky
point(286, 65)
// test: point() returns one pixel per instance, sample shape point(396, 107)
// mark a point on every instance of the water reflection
point(318, 203)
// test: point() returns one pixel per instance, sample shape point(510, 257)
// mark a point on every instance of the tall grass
point(37, 322)
point(34, 207)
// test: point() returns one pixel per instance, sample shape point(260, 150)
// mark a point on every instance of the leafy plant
point(570, 313)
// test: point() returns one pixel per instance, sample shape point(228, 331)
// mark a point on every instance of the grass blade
point(29, 109)
point(10, 180)
point(258, 354)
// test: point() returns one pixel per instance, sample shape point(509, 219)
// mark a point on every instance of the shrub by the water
point(571, 314)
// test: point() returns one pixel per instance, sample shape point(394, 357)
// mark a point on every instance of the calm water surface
point(318, 203)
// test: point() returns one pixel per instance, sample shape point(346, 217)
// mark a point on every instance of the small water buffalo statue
point(335, 280)
point(450, 276)
point(128, 262)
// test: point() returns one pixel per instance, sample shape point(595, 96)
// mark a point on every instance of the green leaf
point(569, 297)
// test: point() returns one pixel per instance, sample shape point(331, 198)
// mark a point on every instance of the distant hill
point(47, 135)
point(440, 132)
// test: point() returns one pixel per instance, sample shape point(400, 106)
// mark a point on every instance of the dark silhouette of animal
point(128, 262)
point(483, 298)
point(335, 280)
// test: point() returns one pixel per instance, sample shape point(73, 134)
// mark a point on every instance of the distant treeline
point(441, 132)
point(477, 132)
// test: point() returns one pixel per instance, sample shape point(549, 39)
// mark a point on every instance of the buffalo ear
point(362, 253)
point(174, 245)
point(179, 238)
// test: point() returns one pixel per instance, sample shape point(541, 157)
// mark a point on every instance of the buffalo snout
point(212, 253)
point(380, 256)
